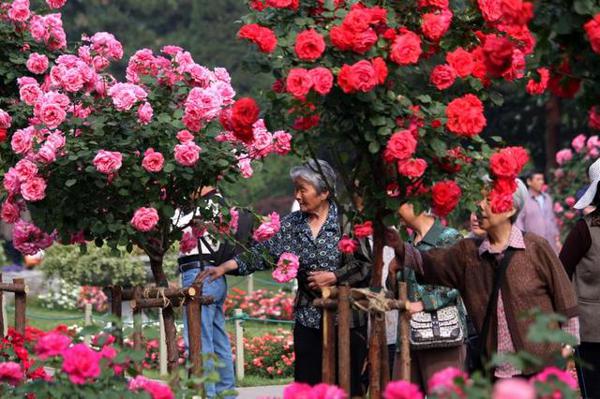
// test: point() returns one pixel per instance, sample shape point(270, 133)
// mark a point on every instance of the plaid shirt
point(505, 342)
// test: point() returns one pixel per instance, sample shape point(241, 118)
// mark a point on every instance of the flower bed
point(261, 304)
point(270, 355)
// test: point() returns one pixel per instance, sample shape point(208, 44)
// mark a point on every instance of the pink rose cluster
point(102, 48)
point(23, 179)
point(155, 389)
point(11, 373)
point(30, 239)
point(299, 390)
point(287, 268)
point(265, 142)
point(588, 146)
point(108, 162)
point(50, 108)
point(267, 229)
point(126, 95)
point(49, 30)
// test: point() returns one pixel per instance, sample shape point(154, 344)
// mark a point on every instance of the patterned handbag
point(441, 328)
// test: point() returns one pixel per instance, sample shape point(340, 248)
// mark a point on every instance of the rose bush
point(261, 304)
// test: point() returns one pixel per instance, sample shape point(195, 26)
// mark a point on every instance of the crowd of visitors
point(477, 285)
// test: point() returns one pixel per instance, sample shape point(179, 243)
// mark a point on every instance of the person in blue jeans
point(210, 252)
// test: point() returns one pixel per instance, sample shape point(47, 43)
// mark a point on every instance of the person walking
point(211, 251)
point(581, 258)
point(537, 215)
point(312, 234)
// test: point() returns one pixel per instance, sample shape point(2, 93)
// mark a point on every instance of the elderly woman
point(312, 233)
point(500, 277)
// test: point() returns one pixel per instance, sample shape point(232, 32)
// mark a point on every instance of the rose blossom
point(534, 87)
point(401, 145)
point(145, 113)
point(125, 95)
point(299, 82)
point(558, 208)
point(445, 197)
point(282, 142)
point(363, 230)
point(413, 167)
point(322, 80)
point(513, 388)
point(465, 116)
point(592, 31)
point(11, 373)
point(570, 201)
point(184, 135)
point(155, 389)
point(22, 140)
point(245, 166)
point(435, 25)
point(37, 63)
point(310, 45)
point(11, 181)
point(188, 242)
point(5, 119)
point(347, 245)
point(287, 268)
point(55, 3)
point(46, 154)
point(34, 189)
point(578, 143)
point(444, 381)
point(108, 162)
point(361, 76)
point(267, 229)
point(144, 219)
point(19, 11)
point(187, 154)
point(10, 212)
point(81, 363)
point(402, 390)
point(264, 37)
point(326, 391)
point(564, 155)
point(406, 48)
point(594, 118)
point(29, 239)
point(51, 344)
point(442, 76)
point(153, 161)
point(461, 61)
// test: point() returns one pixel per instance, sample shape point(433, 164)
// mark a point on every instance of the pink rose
point(26, 170)
point(245, 166)
point(262, 144)
point(51, 114)
point(155, 389)
point(22, 140)
point(513, 388)
point(267, 229)
point(125, 95)
point(570, 201)
point(55, 3)
point(184, 135)
point(563, 156)
point(34, 189)
point(287, 268)
point(347, 245)
point(153, 161)
point(187, 154)
point(326, 391)
point(551, 375)
point(234, 220)
point(5, 119)
point(593, 142)
point(11, 373)
point(412, 167)
point(297, 390)
point(446, 381)
point(578, 143)
point(12, 182)
point(56, 139)
point(46, 153)
point(81, 363)
point(188, 242)
point(402, 390)
point(144, 219)
point(37, 63)
point(570, 215)
point(145, 113)
point(29, 239)
point(51, 344)
point(558, 207)
point(108, 162)
point(19, 11)
point(282, 142)
point(10, 212)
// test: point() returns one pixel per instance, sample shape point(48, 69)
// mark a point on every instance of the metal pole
point(162, 354)
point(250, 284)
point(239, 345)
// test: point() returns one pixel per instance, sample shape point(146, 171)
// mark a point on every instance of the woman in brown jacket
point(533, 277)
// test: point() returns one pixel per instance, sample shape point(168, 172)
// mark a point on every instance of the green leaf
point(374, 147)
point(497, 98)
point(424, 98)
point(169, 167)
point(70, 182)
point(378, 120)
point(584, 7)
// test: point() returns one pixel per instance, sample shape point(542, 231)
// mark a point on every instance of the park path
point(266, 392)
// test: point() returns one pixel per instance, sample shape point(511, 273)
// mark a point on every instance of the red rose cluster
point(300, 81)
point(263, 37)
point(465, 116)
point(445, 196)
point(505, 166)
point(240, 118)
point(362, 76)
point(356, 32)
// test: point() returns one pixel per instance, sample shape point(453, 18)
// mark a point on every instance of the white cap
point(594, 175)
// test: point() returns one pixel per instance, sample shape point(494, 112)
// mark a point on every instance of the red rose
point(363, 230)
point(341, 37)
point(498, 53)
point(505, 185)
point(244, 113)
point(413, 167)
point(465, 116)
point(344, 79)
point(358, 77)
point(291, 4)
point(402, 145)
point(442, 76)
point(436, 123)
point(357, 20)
point(322, 79)
point(490, 9)
point(2, 134)
point(380, 69)
point(441, 4)
point(594, 118)
point(534, 87)
point(500, 202)
point(406, 48)
point(445, 196)
point(347, 245)
point(479, 69)
point(504, 165)
point(562, 85)
point(592, 30)
point(298, 82)
point(363, 41)
point(310, 45)
point(257, 5)
point(435, 25)
point(461, 61)
point(389, 34)
point(262, 36)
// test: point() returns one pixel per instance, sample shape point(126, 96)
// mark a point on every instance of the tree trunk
point(156, 264)
point(551, 133)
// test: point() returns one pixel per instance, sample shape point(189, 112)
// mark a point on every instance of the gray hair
point(519, 196)
point(320, 175)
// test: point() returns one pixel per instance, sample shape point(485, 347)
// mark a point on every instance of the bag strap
point(499, 274)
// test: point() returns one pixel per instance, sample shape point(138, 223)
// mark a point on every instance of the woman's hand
point(211, 273)
point(321, 279)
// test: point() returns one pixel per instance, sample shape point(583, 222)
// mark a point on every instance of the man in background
point(538, 216)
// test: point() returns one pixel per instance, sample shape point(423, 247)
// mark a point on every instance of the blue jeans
point(214, 336)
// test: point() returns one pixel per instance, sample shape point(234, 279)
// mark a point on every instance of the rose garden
point(120, 120)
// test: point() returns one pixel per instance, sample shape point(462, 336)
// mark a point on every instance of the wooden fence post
point(116, 309)
point(20, 306)
point(162, 354)
point(403, 319)
point(137, 323)
point(375, 356)
point(328, 346)
point(239, 345)
point(193, 311)
point(344, 338)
